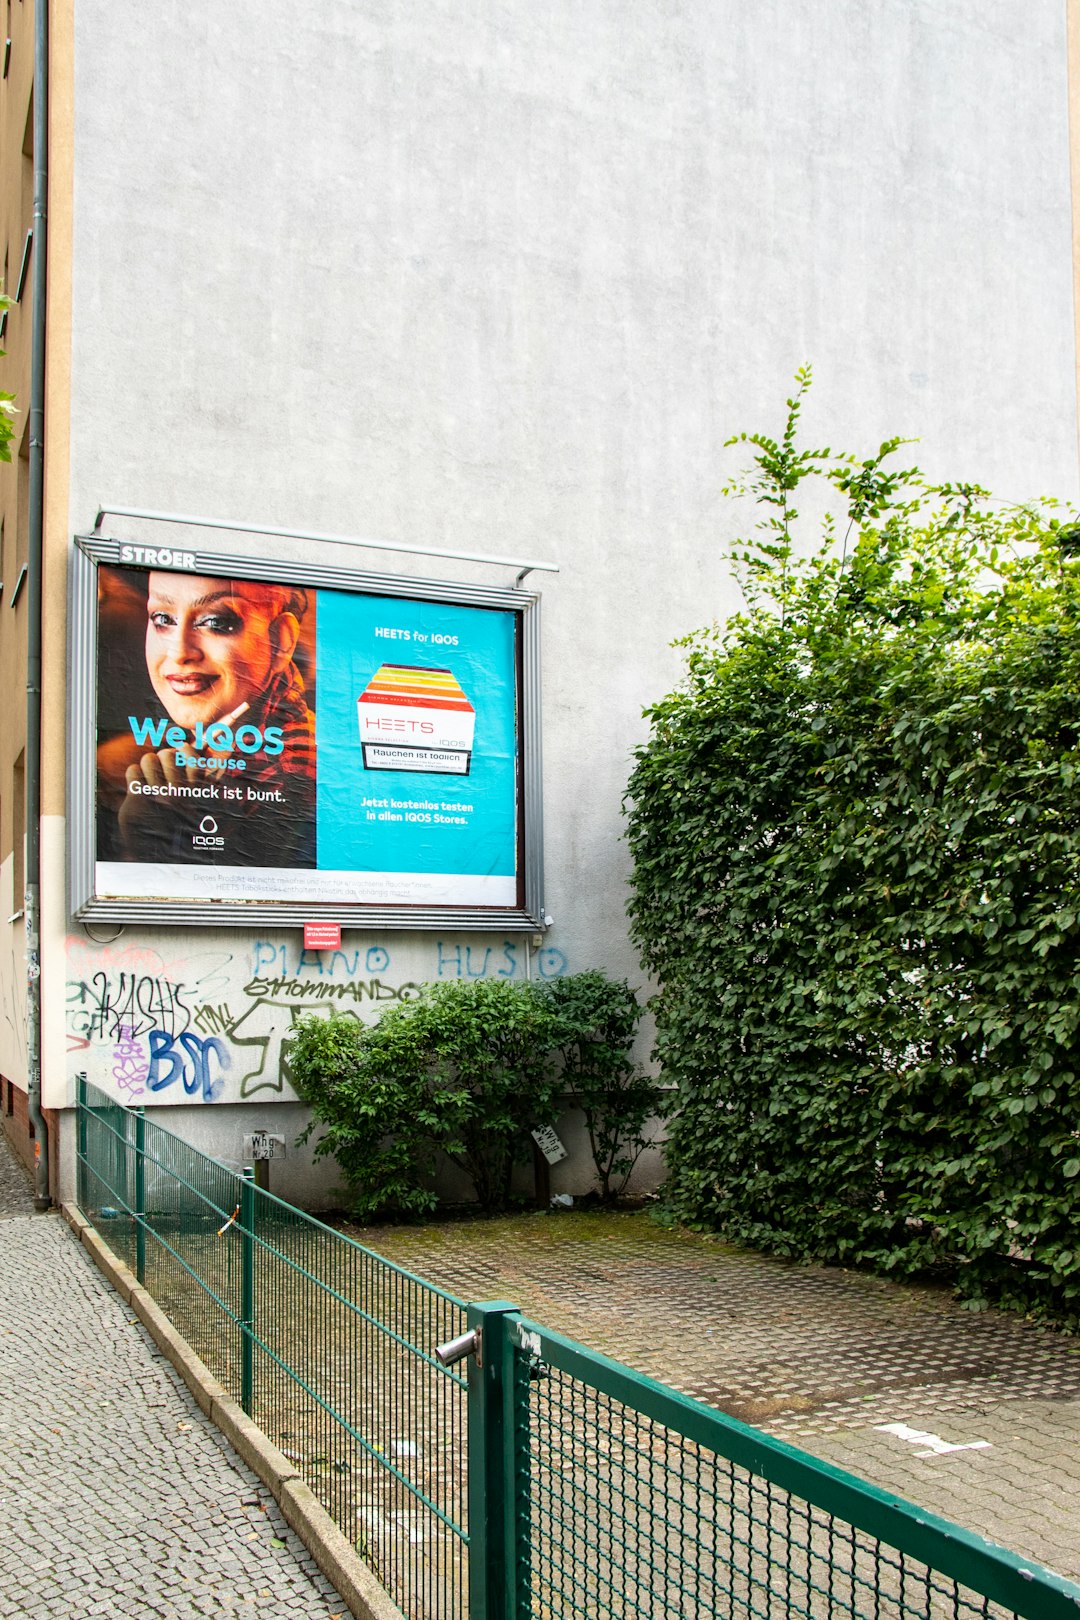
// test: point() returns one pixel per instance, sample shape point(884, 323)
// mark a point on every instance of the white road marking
point(937, 1447)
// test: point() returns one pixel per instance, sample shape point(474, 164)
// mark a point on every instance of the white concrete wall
point(505, 277)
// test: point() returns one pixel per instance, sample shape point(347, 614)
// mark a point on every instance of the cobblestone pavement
point(117, 1496)
point(16, 1187)
point(822, 1358)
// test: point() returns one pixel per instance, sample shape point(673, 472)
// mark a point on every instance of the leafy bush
point(469, 1069)
point(372, 1098)
point(465, 1069)
point(856, 842)
point(598, 1019)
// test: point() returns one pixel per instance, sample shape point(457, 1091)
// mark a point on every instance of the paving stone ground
point(16, 1188)
point(820, 1357)
point(117, 1496)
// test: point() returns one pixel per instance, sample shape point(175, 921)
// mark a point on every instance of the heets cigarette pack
point(415, 719)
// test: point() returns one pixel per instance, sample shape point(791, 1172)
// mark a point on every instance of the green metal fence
point(597, 1492)
point(326, 1345)
point(593, 1493)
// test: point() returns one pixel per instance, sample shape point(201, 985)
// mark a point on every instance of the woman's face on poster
point(214, 645)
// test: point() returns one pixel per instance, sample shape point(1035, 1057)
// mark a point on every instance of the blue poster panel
point(258, 741)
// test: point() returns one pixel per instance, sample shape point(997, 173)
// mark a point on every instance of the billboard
point(311, 741)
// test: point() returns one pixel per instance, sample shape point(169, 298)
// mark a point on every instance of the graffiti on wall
point(213, 1026)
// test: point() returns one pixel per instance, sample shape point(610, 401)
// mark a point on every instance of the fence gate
point(596, 1493)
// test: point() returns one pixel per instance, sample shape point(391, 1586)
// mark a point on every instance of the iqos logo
point(204, 838)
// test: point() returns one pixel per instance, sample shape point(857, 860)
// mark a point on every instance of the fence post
point(247, 1291)
point(80, 1112)
point(498, 1461)
point(140, 1195)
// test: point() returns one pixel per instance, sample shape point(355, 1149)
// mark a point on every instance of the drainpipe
point(36, 524)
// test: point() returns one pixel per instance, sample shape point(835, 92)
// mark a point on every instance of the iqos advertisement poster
point(263, 741)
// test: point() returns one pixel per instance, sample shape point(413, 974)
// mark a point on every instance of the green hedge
point(856, 843)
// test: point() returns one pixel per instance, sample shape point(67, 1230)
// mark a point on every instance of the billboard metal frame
point(87, 906)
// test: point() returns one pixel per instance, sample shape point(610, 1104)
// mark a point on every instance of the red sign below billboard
point(322, 936)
